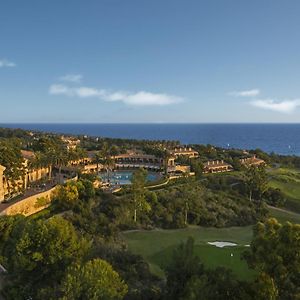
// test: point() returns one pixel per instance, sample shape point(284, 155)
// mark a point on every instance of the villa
point(70, 142)
point(252, 161)
point(184, 151)
point(217, 166)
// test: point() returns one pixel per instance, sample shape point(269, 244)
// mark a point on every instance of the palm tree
point(98, 157)
point(62, 159)
point(166, 156)
point(107, 160)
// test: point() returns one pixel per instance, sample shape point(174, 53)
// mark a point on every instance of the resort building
point(85, 165)
point(89, 159)
point(150, 162)
point(2, 192)
point(216, 166)
point(70, 142)
point(30, 175)
point(180, 169)
point(184, 151)
point(138, 160)
point(252, 161)
point(91, 168)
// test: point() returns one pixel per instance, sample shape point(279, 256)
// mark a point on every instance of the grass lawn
point(157, 246)
point(212, 257)
point(283, 216)
point(288, 180)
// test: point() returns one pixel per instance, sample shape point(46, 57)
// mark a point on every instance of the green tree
point(274, 196)
point(62, 159)
point(255, 182)
point(166, 156)
point(38, 253)
point(51, 148)
point(7, 225)
point(94, 280)
point(217, 284)
point(265, 288)
point(138, 183)
point(106, 158)
point(85, 189)
point(11, 158)
point(98, 159)
point(40, 160)
point(66, 196)
point(274, 253)
point(184, 265)
point(77, 154)
point(197, 167)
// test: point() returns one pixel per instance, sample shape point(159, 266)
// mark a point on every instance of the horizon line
point(149, 123)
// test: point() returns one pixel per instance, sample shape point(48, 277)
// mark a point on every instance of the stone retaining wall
point(30, 205)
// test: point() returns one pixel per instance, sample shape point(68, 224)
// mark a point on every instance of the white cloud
point(86, 92)
point(6, 63)
point(76, 78)
point(60, 89)
point(247, 93)
point(146, 98)
point(284, 106)
point(140, 98)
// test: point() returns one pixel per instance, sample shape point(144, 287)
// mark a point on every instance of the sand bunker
point(222, 244)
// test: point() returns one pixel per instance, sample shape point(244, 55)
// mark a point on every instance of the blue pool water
point(124, 177)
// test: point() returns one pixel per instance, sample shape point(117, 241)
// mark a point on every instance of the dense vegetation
point(75, 249)
point(273, 253)
point(48, 256)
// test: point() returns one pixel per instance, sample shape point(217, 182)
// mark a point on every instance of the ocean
point(278, 138)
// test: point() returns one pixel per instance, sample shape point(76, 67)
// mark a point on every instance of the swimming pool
point(124, 177)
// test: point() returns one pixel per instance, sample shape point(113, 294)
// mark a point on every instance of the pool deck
point(123, 177)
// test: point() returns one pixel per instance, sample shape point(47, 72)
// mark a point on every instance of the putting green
point(157, 246)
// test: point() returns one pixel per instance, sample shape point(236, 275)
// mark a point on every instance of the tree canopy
point(94, 280)
point(275, 254)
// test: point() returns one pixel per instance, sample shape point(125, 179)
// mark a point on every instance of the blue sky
point(149, 61)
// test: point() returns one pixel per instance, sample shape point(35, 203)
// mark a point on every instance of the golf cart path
point(284, 210)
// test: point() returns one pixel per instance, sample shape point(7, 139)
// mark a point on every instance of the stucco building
point(252, 161)
point(138, 160)
point(30, 175)
point(216, 166)
point(184, 151)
